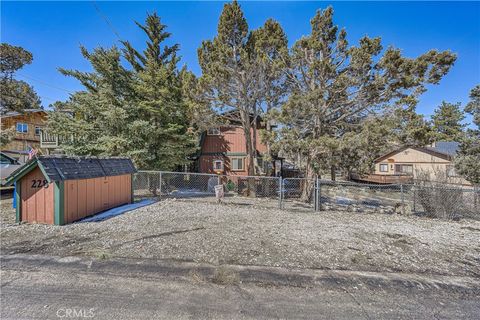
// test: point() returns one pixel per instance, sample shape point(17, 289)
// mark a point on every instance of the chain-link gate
point(253, 190)
point(299, 194)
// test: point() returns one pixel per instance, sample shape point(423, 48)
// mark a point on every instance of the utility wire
point(16, 97)
point(105, 18)
point(43, 82)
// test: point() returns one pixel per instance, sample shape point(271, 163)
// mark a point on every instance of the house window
point(217, 165)
point(213, 131)
point(37, 130)
point(262, 164)
point(404, 168)
point(383, 167)
point(237, 164)
point(451, 171)
point(22, 127)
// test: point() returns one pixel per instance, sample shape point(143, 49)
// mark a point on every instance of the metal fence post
point(160, 186)
point(318, 203)
point(476, 192)
point(280, 193)
point(403, 199)
point(414, 189)
point(149, 186)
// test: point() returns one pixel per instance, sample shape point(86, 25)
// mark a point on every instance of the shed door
point(36, 198)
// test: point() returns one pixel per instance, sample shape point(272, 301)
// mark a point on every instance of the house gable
point(414, 155)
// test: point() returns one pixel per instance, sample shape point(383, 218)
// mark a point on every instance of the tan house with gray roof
point(419, 162)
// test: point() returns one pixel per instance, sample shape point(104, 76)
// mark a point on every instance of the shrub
point(438, 198)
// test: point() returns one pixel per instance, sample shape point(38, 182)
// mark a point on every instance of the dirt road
point(40, 287)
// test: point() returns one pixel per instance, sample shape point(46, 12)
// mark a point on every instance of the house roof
point(446, 147)
point(7, 156)
point(16, 113)
point(442, 152)
point(233, 116)
point(57, 168)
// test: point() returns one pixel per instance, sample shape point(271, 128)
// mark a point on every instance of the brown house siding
point(22, 141)
point(231, 139)
point(206, 164)
point(229, 143)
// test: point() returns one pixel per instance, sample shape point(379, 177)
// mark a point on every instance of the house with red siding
point(223, 151)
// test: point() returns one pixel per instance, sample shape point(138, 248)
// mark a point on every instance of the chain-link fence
point(298, 194)
point(446, 202)
point(187, 185)
point(146, 184)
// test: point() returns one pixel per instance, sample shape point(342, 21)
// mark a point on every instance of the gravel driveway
point(201, 231)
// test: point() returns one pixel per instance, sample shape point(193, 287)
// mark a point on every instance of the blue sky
point(53, 31)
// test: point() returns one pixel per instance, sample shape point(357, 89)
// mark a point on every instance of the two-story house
point(223, 151)
point(28, 126)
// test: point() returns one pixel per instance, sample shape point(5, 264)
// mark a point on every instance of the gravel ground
point(201, 231)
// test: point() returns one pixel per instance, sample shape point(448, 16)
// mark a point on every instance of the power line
point(47, 98)
point(43, 82)
point(54, 100)
point(16, 97)
point(105, 18)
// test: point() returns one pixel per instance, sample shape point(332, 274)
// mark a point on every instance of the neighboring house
point(409, 163)
point(7, 166)
point(28, 127)
point(223, 151)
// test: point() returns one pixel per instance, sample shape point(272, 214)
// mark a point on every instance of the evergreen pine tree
point(447, 122)
point(411, 128)
point(240, 72)
point(139, 112)
point(15, 95)
point(467, 162)
point(335, 87)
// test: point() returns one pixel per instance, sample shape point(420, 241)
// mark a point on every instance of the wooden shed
point(59, 189)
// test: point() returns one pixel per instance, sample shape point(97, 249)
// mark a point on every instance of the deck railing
point(383, 179)
point(48, 140)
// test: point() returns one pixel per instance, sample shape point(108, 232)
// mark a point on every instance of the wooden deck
point(383, 179)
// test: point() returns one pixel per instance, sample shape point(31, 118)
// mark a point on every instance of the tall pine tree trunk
point(250, 157)
point(332, 173)
point(254, 144)
point(307, 188)
point(269, 151)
